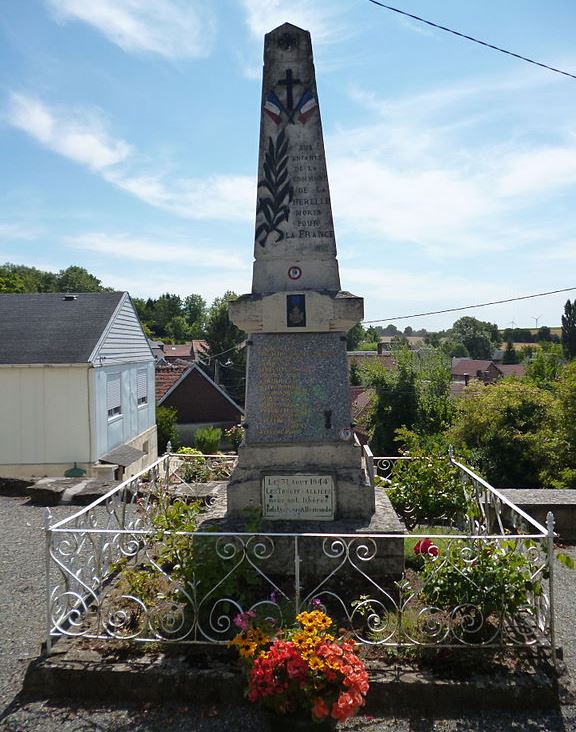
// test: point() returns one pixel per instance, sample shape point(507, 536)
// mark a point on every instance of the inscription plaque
point(292, 380)
point(298, 497)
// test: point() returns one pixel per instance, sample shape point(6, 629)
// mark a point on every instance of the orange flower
point(320, 708)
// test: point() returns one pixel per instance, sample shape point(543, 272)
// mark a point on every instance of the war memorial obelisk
point(299, 460)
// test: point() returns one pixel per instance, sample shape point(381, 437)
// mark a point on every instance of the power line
point(470, 307)
point(474, 40)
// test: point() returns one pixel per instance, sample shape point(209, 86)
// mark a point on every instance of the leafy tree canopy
point(479, 337)
point(569, 330)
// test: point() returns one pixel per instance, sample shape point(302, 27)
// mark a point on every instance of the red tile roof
point(512, 369)
point(469, 366)
point(166, 377)
point(177, 350)
point(361, 399)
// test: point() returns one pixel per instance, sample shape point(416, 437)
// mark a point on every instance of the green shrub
point(166, 427)
point(492, 577)
point(426, 490)
point(195, 469)
point(207, 440)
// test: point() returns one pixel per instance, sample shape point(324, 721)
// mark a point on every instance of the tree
point(390, 330)
point(373, 333)
point(11, 282)
point(544, 334)
point(544, 364)
point(355, 379)
point(164, 309)
point(355, 336)
point(454, 348)
point(479, 337)
point(166, 427)
point(77, 279)
point(395, 403)
point(194, 310)
point(33, 280)
point(224, 339)
point(178, 329)
point(564, 473)
point(508, 426)
point(415, 395)
point(569, 330)
point(510, 356)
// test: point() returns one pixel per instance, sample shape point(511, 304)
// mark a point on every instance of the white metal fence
point(118, 569)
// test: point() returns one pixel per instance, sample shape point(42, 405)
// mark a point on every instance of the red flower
point(425, 546)
point(320, 709)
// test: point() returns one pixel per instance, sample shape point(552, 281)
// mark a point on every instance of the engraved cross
point(289, 83)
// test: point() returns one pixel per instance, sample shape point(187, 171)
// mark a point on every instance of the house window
point(142, 387)
point(113, 396)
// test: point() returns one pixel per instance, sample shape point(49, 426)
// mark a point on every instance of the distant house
point(386, 342)
point(192, 351)
point(198, 400)
point(76, 385)
point(464, 369)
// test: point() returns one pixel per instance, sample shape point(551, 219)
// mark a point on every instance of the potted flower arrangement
point(301, 673)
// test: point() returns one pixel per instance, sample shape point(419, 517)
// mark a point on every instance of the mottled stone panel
point(297, 388)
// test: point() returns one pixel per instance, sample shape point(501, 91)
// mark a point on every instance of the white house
point(76, 385)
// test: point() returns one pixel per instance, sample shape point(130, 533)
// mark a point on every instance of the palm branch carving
point(274, 201)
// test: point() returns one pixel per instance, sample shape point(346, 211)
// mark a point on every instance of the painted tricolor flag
point(273, 107)
point(306, 106)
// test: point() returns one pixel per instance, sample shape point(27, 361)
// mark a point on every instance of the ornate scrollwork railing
point(115, 573)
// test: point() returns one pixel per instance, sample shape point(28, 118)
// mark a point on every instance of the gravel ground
point(22, 631)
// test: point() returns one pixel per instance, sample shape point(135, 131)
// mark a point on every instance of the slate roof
point(469, 366)
point(50, 327)
point(512, 369)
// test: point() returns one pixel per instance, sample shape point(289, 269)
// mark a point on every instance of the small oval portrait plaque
point(294, 273)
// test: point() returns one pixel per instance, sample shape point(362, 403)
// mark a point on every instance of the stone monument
point(299, 460)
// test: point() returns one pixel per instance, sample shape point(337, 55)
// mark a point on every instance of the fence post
point(369, 462)
point(48, 541)
point(551, 558)
point(167, 466)
point(296, 576)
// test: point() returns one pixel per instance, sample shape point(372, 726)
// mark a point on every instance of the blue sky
point(129, 134)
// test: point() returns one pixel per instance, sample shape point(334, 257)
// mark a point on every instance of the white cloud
point(9, 232)
point(226, 197)
point(81, 136)
point(157, 249)
point(561, 251)
point(75, 134)
point(433, 287)
point(320, 18)
point(149, 283)
point(533, 171)
point(170, 28)
point(429, 207)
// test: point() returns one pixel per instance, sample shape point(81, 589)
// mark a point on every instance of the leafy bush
point(425, 490)
point(196, 468)
point(166, 427)
point(207, 440)
point(510, 428)
point(492, 577)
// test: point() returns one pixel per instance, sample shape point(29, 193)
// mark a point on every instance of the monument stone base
point(383, 561)
point(256, 485)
